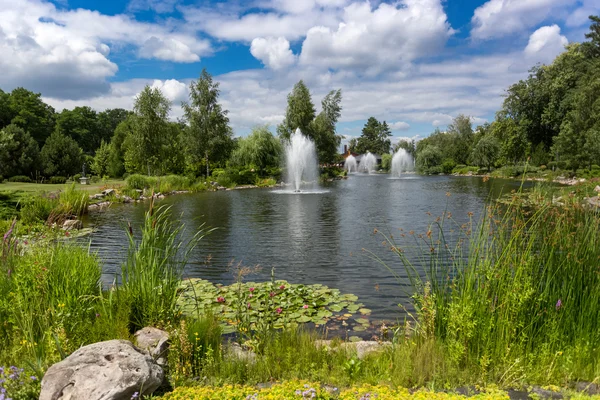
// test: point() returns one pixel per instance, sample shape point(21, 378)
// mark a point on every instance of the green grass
point(43, 187)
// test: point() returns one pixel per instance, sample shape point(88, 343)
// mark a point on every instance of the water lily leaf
point(362, 321)
point(336, 308)
point(359, 328)
point(364, 311)
point(303, 318)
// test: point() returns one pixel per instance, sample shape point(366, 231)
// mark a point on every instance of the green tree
point(375, 137)
point(299, 114)
point(81, 124)
point(209, 134)
point(323, 129)
point(150, 129)
point(32, 114)
point(61, 156)
point(6, 114)
point(408, 145)
point(592, 47)
point(116, 162)
point(486, 152)
point(259, 150)
point(109, 119)
point(462, 136)
point(19, 152)
point(428, 158)
point(386, 162)
point(514, 141)
point(101, 163)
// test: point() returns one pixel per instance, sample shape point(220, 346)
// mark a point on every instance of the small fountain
point(350, 164)
point(401, 162)
point(301, 161)
point(368, 163)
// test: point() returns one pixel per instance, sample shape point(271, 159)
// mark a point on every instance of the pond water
point(309, 238)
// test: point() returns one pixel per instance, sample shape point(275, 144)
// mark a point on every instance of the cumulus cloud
point(65, 54)
point(498, 18)
point(275, 53)
point(545, 44)
point(399, 126)
point(173, 90)
point(580, 15)
point(373, 40)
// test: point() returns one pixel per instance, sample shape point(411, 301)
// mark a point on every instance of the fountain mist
point(401, 162)
point(368, 162)
point(350, 164)
point(301, 160)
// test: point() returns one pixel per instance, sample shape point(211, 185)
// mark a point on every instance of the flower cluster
point(15, 384)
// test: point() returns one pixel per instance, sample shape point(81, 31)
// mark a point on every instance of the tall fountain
point(401, 162)
point(368, 163)
point(301, 161)
point(350, 164)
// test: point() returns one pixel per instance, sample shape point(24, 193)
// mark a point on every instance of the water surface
point(316, 238)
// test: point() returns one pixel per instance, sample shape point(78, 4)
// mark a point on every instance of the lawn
point(43, 187)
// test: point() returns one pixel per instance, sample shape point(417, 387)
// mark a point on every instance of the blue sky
point(414, 63)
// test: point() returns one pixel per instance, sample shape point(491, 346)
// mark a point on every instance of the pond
point(309, 238)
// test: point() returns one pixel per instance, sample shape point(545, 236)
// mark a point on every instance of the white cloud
point(399, 126)
point(173, 90)
point(498, 18)
point(66, 53)
point(374, 40)
point(580, 15)
point(545, 44)
point(275, 53)
point(160, 6)
point(236, 25)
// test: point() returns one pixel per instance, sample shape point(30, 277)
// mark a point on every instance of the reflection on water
point(315, 238)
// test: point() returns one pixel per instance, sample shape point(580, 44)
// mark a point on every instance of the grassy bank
point(515, 304)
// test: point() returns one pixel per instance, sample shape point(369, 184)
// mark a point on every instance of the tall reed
point(153, 270)
point(518, 297)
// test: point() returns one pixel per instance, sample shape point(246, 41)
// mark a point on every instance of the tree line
point(36, 142)
point(550, 119)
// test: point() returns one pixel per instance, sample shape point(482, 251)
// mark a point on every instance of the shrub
point(137, 181)
point(57, 180)
point(20, 178)
point(448, 166)
point(38, 209)
point(72, 202)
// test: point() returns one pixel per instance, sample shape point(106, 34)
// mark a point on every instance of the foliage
point(61, 156)
point(386, 162)
point(162, 184)
point(301, 114)
point(19, 152)
point(101, 163)
point(486, 152)
point(375, 137)
point(30, 113)
point(80, 124)
point(152, 272)
point(245, 307)
point(428, 158)
point(209, 135)
point(20, 178)
point(408, 145)
point(116, 162)
point(144, 147)
point(18, 384)
point(260, 150)
point(302, 389)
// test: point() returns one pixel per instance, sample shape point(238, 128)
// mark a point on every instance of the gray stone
point(155, 342)
point(72, 224)
point(597, 189)
point(112, 370)
point(127, 199)
point(108, 192)
point(545, 394)
point(235, 351)
point(589, 388)
point(362, 347)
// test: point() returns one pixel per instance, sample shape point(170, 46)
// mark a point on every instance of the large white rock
point(155, 342)
point(112, 370)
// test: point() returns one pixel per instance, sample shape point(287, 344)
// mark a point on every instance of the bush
point(20, 178)
point(137, 181)
point(57, 180)
point(448, 166)
point(38, 209)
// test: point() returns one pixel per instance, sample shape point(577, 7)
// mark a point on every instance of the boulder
point(362, 347)
point(108, 192)
point(112, 370)
point(127, 199)
point(597, 189)
point(72, 224)
point(155, 342)
point(236, 352)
